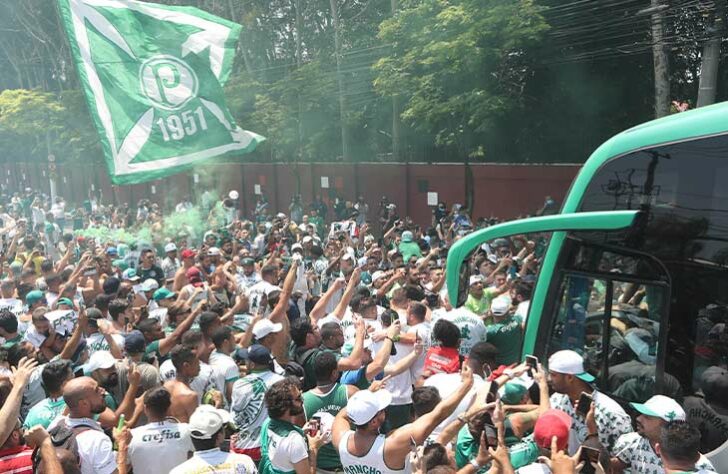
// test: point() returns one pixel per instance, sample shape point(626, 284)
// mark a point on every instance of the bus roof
point(705, 121)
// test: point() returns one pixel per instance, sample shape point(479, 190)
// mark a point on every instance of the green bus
point(634, 274)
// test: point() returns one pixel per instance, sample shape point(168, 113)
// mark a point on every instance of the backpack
point(63, 437)
point(298, 366)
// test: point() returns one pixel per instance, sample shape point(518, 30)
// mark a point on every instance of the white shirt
point(159, 447)
point(205, 380)
point(218, 462)
point(472, 328)
point(284, 452)
point(636, 451)
point(247, 406)
point(34, 337)
point(97, 342)
point(610, 417)
point(400, 386)
point(94, 447)
point(446, 385)
point(424, 331)
point(522, 310)
point(256, 292)
point(225, 365)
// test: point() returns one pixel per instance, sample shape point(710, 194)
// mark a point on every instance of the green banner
point(153, 76)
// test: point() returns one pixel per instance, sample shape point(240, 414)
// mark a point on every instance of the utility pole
point(396, 122)
point(299, 63)
point(660, 59)
point(340, 78)
point(711, 58)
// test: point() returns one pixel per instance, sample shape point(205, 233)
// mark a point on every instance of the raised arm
point(279, 312)
point(421, 428)
point(405, 363)
point(348, 293)
point(166, 344)
point(381, 358)
point(354, 361)
point(72, 343)
point(319, 308)
point(10, 410)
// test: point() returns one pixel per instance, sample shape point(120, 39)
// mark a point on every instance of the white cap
point(500, 306)
point(661, 406)
point(213, 252)
point(99, 360)
point(150, 284)
point(475, 279)
point(296, 246)
point(280, 215)
point(307, 239)
point(233, 195)
point(208, 420)
point(569, 362)
point(264, 327)
point(377, 275)
point(364, 405)
point(170, 247)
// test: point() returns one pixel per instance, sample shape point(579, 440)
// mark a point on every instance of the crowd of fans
point(314, 341)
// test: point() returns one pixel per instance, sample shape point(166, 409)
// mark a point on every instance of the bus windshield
point(649, 304)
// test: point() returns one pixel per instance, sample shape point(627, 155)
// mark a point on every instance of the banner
point(153, 76)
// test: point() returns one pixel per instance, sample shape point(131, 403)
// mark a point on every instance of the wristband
point(396, 338)
point(475, 464)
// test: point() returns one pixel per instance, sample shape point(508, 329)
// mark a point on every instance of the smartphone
point(492, 393)
point(585, 401)
point(491, 435)
point(486, 371)
point(589, 456)
point(314, 425)
point(532, 361)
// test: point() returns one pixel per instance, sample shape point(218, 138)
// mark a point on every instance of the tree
point(458, 65)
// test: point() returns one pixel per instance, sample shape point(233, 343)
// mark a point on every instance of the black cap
point(134, 342)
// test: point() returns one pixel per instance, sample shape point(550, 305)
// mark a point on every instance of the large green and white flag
point(153, 77)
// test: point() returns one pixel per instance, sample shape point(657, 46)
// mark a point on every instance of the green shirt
point(408, 249)
point(271, 434)
point(44, 412)
point(506, 336)
point(466, 449)
point(11, 342)
point(331, 403)
point(482, 305)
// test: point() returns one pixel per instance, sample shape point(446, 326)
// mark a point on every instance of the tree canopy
point(367, 80)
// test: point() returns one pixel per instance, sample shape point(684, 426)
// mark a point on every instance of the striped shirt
point(18, 460)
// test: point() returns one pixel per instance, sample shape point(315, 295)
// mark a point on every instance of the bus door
point(612, 307)
point(460, 264)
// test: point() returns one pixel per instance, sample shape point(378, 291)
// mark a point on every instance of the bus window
point(615, 325)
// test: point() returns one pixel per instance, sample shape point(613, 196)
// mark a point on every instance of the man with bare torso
point(184, 399)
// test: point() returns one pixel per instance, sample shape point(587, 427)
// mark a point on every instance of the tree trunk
point(710, 59)
point(660, 60)
point(299, 63)
point(396, 122)
point(340, 79)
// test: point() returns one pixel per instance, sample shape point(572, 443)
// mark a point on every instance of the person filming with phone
point(574, 393)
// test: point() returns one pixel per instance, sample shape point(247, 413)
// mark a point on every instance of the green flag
point(153, 77)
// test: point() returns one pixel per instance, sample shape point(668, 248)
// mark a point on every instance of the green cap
point(34, 296)
point(512, 393)
point(247, 261)
point(163, 294)
point(120, 264)
point(65, 301)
